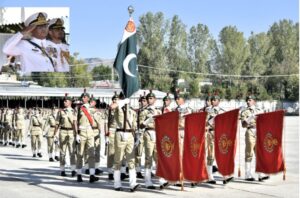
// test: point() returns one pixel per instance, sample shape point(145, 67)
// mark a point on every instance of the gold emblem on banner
point(130, 27)
point(270, 142)
point(224, 143)
point(195, 146)
point(167, 146)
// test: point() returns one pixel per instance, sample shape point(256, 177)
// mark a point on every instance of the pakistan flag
point(126, 61)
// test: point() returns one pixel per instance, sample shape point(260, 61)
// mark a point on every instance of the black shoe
point(250, 179)
point(193, 185)
point(118, 189)
point(215, 169)
point(152, 175)
point(34, 155)
point(111, 176)
point(87, 171)
point(98, 171)
point(13, 144)
point(164, 185)
point(39, 154)
point(63, 174)
point(227, 180)
point(10, 143)
point(18, 146)
point(127, 170)
point(124, 176)
point(93, 178)
point(263, 178)
point(151, 187)
point(135, 187)
point(79, 178)
point(24, 145)
point(51, 159)
point(178, 185)
point(139, 175)
point(211, 182)
point(73, 174)
point(5, 144)
point(56, 158)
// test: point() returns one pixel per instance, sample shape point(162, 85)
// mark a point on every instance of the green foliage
point(101, 72)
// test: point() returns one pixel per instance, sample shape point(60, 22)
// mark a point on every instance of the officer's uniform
point(8, 126)
point(212, 112)
point(124, 142)
point(86, 141)
point(19, 123)
point(52, 146)
point(59, 50)
point(248, 119)
point(112, 126)
point(33, 58)
point(35, 128)
point(64, 122)
point(150, 140)
point(97, 116)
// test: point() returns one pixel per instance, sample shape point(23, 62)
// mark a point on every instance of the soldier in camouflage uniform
point(124, 142)
point(52, 146)
point(85, 138)
point(19, 123)
point(2, 110)
point(248, 119)
point(8, 126)
point(65, 133)
point(36, 133)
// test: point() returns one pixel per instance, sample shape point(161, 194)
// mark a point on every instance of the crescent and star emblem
point(126, 61)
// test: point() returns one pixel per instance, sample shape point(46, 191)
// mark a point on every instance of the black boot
point(18, 146)
point(63, 174)
point(124, 176)
point(215, 169)
point(139, 175)
point(51, 159)
point(24, 145)
point(263, 178)
point(227, 180)
point(98, 171)
point(34, 155)
point(73, 173)
point(40, 155)
point(87, 171)
point(111, 176)
point(56, 158)
point(79, 178)
point(135, 187)
point(93, 178)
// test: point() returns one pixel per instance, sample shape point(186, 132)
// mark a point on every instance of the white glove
point(78, 139)
point(106, 140)
point(55, 138)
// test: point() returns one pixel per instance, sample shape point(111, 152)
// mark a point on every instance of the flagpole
point(284, 141)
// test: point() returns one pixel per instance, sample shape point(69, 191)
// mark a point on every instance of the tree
point(79, 76)
point(234, 51)
point(152, 53)
point(101, 72)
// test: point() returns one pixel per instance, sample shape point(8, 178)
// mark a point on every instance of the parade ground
point(27, 177)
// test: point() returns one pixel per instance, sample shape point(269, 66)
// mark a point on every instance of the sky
point(96, 26)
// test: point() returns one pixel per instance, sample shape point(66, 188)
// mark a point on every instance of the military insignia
point(224, 143)
point(270, 142)
point(41, 17)
point(130, 27)
point(167, 146)
point(195, 146)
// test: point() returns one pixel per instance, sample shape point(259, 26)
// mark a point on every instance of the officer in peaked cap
point(166, 104)
point(30, 44)
point(56, 45)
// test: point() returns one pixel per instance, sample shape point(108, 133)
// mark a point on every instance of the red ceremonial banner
point(194, 163)
point(269, 157)
point(167, 145)
point(225, 141)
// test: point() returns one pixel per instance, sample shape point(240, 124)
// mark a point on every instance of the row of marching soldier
point(129, 135)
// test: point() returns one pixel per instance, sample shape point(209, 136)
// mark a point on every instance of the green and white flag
point(126, 61)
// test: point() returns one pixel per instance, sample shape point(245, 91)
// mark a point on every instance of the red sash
point(87, 114)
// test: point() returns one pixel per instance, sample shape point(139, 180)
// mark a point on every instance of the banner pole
point(181, 151)
point(284, 148)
